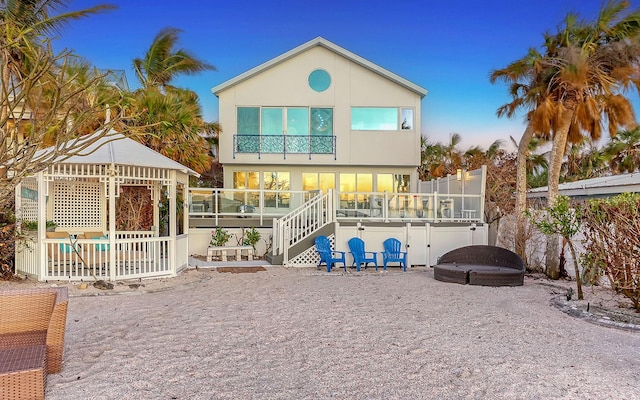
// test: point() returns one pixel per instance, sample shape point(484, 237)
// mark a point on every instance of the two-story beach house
point(320, 117)
point(320, 122)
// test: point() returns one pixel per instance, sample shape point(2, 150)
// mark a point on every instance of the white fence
point(128, 257)
point(424, 243)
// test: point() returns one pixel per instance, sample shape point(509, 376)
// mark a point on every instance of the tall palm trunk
point(557, 155)
point(4, 102)
point(521, 191)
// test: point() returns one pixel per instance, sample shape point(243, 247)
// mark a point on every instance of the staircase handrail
point(302, 222)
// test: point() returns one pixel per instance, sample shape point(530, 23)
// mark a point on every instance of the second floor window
point(285, 129)
point(381, 118)
point(285, 121)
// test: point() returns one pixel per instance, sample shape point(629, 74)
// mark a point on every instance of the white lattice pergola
point(80, 194)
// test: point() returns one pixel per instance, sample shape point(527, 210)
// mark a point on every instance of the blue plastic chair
point(327, 255)
point(392, 253)
point(360, 256)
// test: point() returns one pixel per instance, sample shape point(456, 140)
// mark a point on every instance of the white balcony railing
point(379, 206)
point(216, 203)
point(428, 207)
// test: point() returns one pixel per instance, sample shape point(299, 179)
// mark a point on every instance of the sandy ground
point(305, 334)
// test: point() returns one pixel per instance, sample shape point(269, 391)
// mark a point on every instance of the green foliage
point(612, 240)
point(561, 218)
point(593, 268)
point(219, 237)
point(182, 134)
point(7, 241)
point(29, 225)
point(251, 237)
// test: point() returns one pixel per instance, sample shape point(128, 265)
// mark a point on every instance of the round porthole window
point(319, 80)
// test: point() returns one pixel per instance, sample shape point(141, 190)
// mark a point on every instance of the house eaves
point(322, 42)
point(594, 187)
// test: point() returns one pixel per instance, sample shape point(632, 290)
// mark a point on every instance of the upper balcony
point(284, 144)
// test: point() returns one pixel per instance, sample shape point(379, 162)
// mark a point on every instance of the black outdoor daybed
point(480, 265)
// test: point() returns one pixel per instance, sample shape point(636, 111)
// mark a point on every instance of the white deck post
point(483, 184)
point(42, 222)
point(428, 228)
point(173, 219)
point(407, 242)
point(112, 221)
point(285, 255)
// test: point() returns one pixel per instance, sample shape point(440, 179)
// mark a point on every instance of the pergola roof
point(115, 148)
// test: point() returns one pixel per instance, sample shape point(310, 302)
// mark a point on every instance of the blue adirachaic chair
point(392, 253)
point(360, 256)
point(327, 255)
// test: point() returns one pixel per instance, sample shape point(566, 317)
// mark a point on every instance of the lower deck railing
point(389, 207)
point(96, 259)
point(399, 207)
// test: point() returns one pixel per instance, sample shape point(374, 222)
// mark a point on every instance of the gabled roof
point(322, 42)
point(120, 150)
point(595, 187)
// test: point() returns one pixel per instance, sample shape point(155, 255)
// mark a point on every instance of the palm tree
point(180, 132)
point(584, 161)
point(163, 62)
point(453, 155)
point(474, 157)
point(25, 25)
point(593, 66)
point(623, 151)
point(527, 80)
point(536, 163)
point(172, 125)
point(40, 97)
point(572, 85)
point(91, 108)
point(432, 160)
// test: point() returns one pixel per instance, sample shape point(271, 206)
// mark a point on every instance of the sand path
point(305, 334)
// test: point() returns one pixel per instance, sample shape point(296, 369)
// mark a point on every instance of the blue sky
point(447, 47)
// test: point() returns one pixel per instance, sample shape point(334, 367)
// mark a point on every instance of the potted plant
point(51, 226)
point(29, 225)
point(219, 237)
point(251, 237)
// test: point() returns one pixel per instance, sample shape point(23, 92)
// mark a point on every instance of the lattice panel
point(310, 256)
point(77, 204)
point(29, 206)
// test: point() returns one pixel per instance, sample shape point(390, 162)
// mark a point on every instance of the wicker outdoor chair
point(32, 330)
point(480, 265)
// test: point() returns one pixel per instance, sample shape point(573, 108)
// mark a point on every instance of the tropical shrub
point(612, 242)
point(250, 237)
point(7, 241)
point(564, 219)
point(29, 225)
point(219, 237)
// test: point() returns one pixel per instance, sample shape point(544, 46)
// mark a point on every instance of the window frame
point(284, 114)
point(401, 113)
